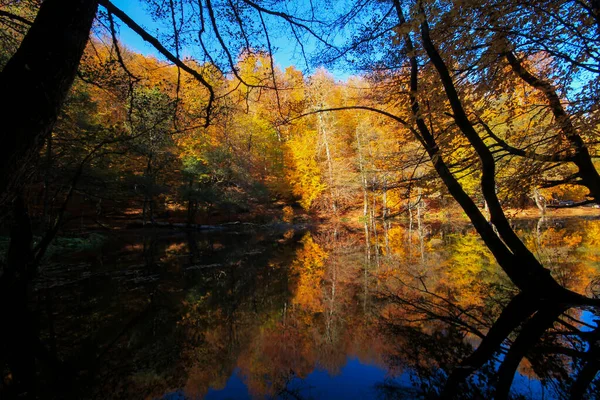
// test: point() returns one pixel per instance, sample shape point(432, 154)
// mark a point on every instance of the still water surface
point(321, 313)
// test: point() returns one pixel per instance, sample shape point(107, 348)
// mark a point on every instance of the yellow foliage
point(469, 270)
point(303, 171)
point(397, 241)
point(288, 214)
point(309, 265)
point(592, 233)
point(565, 192)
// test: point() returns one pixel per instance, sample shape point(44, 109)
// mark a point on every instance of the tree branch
point(111, 8)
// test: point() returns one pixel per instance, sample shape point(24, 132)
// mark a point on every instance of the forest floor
point(557, 212)
point(355, 217)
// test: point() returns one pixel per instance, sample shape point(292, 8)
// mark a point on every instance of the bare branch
point(111, 8)
point(15, 17)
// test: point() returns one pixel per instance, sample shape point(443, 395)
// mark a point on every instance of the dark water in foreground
point(330, 313)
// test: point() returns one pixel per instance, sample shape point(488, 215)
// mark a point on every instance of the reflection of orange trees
point(397, 241)
point(201, 378)
point(323, 323)
point(465, 273)
point(330, 327)
point(173, 251)
point(436, 314)
point(554, 244)
point(561, 250)
point(591, 243)
point(451, 288)
point(467, 270)
point(309, 266)
point(277, 353)
point(288, 214)
point(206, 337)
point(246, 321)
point(403, 242)
point(427, 331)
point(464, 269)
point(284, 346)
point(471, 270)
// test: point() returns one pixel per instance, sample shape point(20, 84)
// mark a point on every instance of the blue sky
point(287, 51)
point(132, 40)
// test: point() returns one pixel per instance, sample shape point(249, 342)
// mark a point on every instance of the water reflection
point(332, 313)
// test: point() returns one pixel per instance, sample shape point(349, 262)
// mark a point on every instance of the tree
point(451, 53)
point(37, 78)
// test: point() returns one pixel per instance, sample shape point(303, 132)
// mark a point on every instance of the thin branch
point(520, 152)
point(111, 8)
point(15, 17)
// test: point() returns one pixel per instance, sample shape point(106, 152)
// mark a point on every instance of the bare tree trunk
point(331, 311)
point(363, 176)
point(47, 171)
point(148, 209)
point(410, 228)
point(540, 201)
point(366, 287)
point(364, 181)
point(384, 216)
point(325, 136)
point(192, 205)
point(420, 226)
point(375, 232)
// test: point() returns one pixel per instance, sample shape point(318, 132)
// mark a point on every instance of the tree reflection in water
point(284, 315)
point(547, 340)
point(470, 336)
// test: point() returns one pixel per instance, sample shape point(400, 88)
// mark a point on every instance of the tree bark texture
point(34, 84)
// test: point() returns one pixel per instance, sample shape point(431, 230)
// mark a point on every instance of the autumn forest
point(315, 199)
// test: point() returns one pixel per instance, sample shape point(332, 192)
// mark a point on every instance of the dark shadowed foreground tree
point(37, 78)
point(34, 83)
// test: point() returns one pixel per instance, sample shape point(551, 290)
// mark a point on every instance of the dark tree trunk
point(530, 334)
point(520, 308)
point(33, 87)
point(18, 332)
point(46, 220)
point(192, 205)
point(35, 83)
point(512, 255)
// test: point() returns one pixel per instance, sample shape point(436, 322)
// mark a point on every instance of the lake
point(322, 312)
